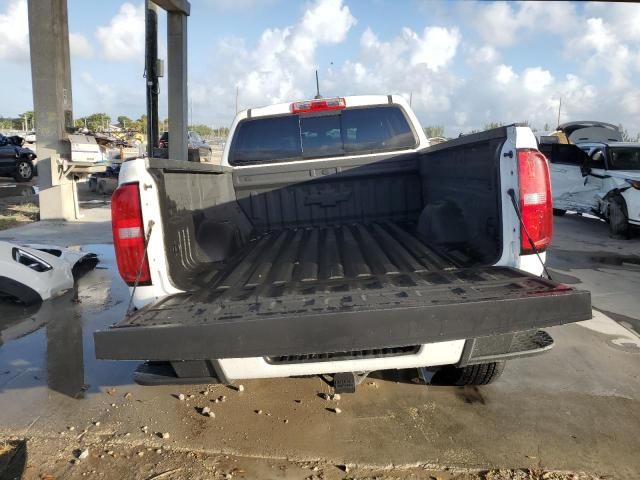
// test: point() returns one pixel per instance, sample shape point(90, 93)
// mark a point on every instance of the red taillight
point(128, 235)
point(535, 201)
point(337, 103)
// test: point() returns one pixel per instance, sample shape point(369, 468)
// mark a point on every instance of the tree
point(624, 133)
point(221, 132)
point(492, 125)
point(432, 131)
point(141, 124)
point(125, 122)
point(203, 130)
point(27, 119)
point(546, 127)
point(96, 122)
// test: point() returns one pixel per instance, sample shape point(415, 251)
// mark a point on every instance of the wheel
point(24, 171)
point(558, 212)
point(618, 223)
point(481, 374)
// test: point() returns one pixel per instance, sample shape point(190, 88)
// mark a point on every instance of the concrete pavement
point(575, 408)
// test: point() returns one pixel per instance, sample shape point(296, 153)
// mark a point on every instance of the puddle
point(570, 260)
point(51, 344)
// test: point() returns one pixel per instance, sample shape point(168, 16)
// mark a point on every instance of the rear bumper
point(459, 310)
point(458, 352)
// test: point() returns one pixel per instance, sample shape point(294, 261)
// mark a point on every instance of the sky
point(463, 64)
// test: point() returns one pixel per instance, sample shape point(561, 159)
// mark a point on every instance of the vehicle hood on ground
point(34, 273)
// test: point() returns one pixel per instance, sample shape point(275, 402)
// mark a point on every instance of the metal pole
point(151, 62)
point(559, 109)
point(237, 94)
point(317, 87)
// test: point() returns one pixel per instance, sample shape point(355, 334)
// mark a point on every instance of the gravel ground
point(54, 458)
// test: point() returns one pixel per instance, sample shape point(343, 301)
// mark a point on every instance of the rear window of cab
point(351, 131)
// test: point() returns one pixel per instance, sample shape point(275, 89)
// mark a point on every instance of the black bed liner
point(332, 289)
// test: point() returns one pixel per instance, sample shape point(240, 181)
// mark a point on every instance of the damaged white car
point(34, 273)
point(605, 182)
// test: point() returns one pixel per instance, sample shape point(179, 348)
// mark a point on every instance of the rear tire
point(481, 374)
point(558, 212)
point(618, 223)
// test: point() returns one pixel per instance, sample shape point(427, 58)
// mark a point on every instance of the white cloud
point(504, 74)
point(238, 4)
point(105, 93)
point(123, 38)
point(536, 79)
point(603, 52)
point(80, 46)
point(504, 24)
point(14, 32)
point(436, 48)
point(281, 66)
point(406, 64)
point(597, 37)
point(456, 77)
point(327, 22)
point(625, 17)
point(486, 54)
point(496, 24)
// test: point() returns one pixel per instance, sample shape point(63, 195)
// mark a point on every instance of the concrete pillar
point(52, 102)
point(177, 84)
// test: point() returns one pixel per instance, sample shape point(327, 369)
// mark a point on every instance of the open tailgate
point(358, 314)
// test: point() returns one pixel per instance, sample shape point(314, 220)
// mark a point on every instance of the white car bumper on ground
point(34, 273)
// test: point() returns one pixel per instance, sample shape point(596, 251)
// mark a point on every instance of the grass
point(6, 447)
point(14, 214)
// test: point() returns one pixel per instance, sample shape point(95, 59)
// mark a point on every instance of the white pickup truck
point(334, 240)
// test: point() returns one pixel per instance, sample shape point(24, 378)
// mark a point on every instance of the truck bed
point(334, 288)
point(283, 261)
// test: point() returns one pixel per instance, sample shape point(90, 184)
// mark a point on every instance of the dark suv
point(15, 160)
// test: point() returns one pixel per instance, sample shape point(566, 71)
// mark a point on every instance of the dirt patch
point(15, 211)
point(51, 458)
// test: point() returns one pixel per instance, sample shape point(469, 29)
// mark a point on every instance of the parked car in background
point(195, 144)
point(30, 137)
point(15, 160)
point(599, 178)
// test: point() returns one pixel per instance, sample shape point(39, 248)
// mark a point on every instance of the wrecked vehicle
point(587, 131)
point(606, 184)
point(334, 240)
point(15, 160)
point(33, 273)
